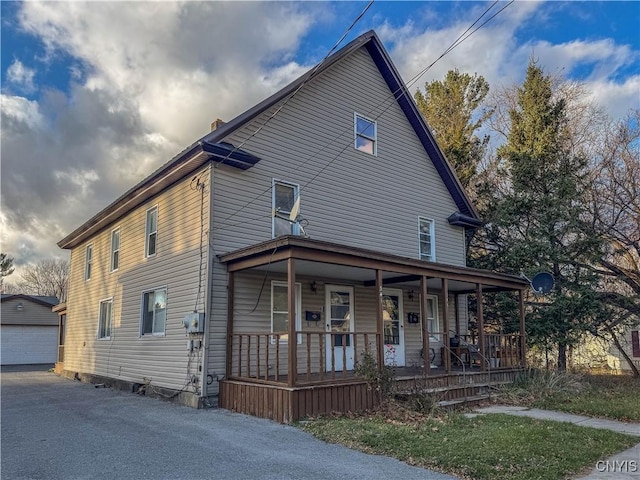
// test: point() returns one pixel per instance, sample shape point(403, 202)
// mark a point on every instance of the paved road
point(54, 428)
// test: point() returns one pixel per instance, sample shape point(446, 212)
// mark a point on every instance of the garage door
point(28, 345)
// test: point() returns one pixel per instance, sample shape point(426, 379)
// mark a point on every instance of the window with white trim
point(154, 312)
point(104, 319)
point(284, 197)
point(280, 310)
point(88, 259)
point(432, 314)
point(433, 321)
point(365, 133)
point(151, 232)
point(426, 239)
point(115, 249)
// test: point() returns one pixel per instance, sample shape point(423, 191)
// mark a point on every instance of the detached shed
point(28, 329)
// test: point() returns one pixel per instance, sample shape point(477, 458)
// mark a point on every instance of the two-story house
point(257, 267)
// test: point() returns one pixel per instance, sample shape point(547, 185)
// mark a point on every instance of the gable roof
point(45, 300)
point(211, 147)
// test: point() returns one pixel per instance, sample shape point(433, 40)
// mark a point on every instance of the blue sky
point(97, 95)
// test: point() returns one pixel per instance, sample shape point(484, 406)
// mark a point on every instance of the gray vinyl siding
point(162, 360)
point(31, 314)
point(347, 196)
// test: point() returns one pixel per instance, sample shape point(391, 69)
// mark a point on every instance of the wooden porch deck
point(350, 393)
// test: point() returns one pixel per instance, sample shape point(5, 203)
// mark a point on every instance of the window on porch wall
point(433, 322)
point(280, 310)
point(432, 315)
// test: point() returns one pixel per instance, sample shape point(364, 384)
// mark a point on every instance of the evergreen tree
point(451, 108)
point(539, 222)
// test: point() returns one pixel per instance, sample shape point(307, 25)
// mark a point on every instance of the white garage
point(28, 345)
point(28, 330)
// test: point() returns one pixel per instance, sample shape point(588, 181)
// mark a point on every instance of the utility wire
point(461, 38)
point(313, 73)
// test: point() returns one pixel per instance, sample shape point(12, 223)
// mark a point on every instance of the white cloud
point(496, 53)
point(147, 79)
point(617, 98)
point(20, 112)
point(21, 76)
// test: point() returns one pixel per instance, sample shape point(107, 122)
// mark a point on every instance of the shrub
point(535, 384)
point(380, 380)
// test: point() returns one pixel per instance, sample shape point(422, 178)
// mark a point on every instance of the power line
point(312, 75)
point(461, 38)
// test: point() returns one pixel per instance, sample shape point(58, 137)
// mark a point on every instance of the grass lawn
point(484, 447)
point(606, 396)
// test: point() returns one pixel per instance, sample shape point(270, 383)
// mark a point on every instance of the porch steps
point(464, 402)
point(452, 392)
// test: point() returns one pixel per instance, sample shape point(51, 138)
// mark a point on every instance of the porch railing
point(497, 351)
point(263, 357)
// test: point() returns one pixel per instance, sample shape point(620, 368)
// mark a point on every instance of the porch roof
point(361, 264)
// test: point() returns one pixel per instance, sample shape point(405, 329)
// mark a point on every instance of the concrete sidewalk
point(624, 465)
point(622, 427)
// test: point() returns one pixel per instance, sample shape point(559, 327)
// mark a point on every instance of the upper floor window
point(88, 259)
point(154, 312)
point(426, 239)
point(104, 320)
point(365, 134)
point(115, 249)
point(280, 310)
point(284, 197)
point(151, 232)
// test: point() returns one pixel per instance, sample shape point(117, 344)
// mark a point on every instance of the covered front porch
point(343, 306)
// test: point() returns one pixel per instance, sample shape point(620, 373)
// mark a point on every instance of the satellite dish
point(293, 216)
point(542, 282)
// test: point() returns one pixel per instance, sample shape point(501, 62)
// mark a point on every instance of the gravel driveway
point(54, 428)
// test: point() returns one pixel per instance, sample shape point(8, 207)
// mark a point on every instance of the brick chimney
point(216, 124)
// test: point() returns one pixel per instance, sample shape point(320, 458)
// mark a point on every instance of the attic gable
point(212, 147)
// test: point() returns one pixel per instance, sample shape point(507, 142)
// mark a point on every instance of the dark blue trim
point(461, 220)
point(224, 152)
point(392, 78)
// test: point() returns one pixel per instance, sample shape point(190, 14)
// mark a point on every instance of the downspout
point(208, 304)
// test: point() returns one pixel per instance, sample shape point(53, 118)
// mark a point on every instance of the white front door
point(393, 327)
point(340, 322)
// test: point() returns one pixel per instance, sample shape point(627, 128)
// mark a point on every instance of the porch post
point(456, 310)
point(230, 289)
point(292, 335)
point(445, 314)
point(483, 361)
point(523, 332)
point(379, 320)
point(424, 306)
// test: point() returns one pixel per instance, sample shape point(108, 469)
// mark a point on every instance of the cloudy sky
point(97, 95)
